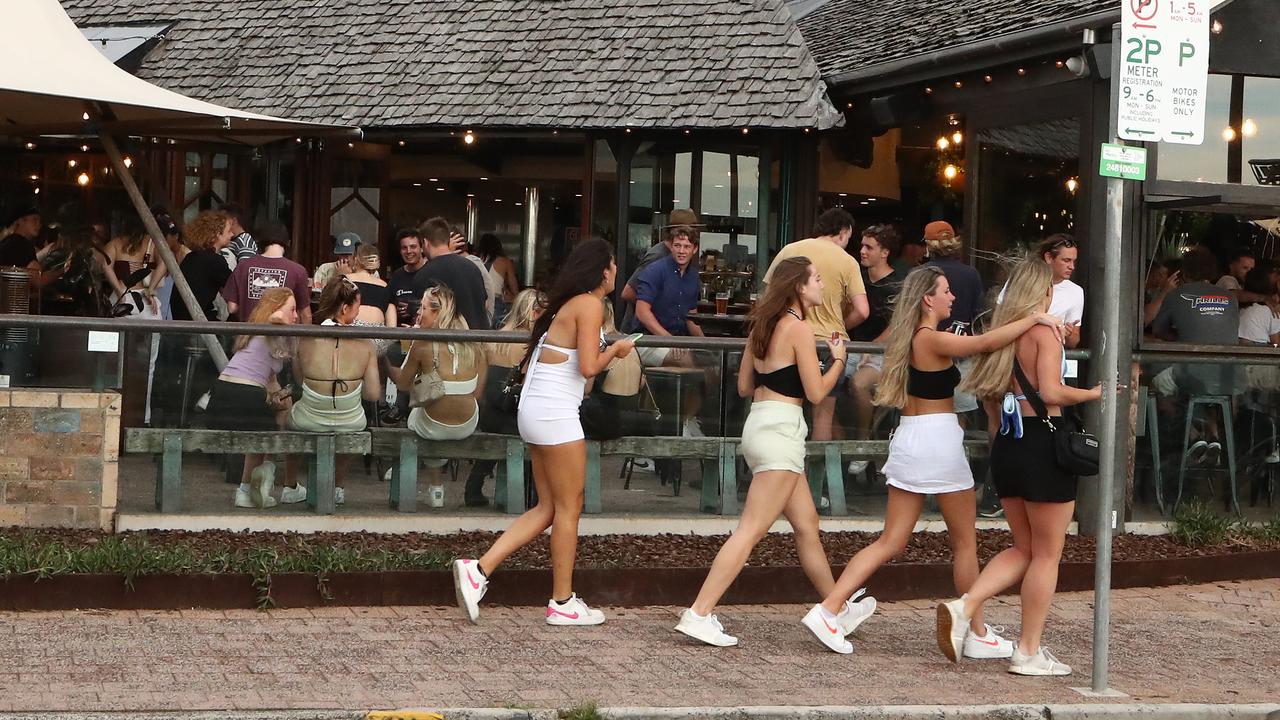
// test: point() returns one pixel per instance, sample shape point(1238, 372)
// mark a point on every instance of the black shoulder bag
point(1074, 450)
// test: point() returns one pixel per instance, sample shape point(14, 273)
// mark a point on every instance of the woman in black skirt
point(1038, 496)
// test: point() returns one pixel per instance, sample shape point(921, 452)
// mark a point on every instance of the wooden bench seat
point(718, 456)
point(319, 448)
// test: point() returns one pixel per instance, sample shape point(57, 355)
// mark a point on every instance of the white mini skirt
point(926, 455)
point(773, 437)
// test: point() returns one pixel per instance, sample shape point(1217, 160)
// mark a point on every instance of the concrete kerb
point(1142, 711)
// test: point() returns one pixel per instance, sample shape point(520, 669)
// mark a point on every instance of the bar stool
point(1206, 402)
point(1149, 426)
point(195, 352)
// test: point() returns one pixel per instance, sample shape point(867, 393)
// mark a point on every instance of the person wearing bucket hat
point(344, 248)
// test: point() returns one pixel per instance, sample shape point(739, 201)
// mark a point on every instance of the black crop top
point(784, 381)
point(932, 384)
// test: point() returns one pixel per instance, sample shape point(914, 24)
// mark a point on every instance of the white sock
point(826, 614)
point(244, 487)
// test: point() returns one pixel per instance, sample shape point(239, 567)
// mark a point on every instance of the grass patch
point(133, 555)
point(1196, 524)
point(585, 711)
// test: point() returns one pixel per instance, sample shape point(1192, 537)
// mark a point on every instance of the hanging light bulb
point(943, 143)
point(1072, 185)
point(128, 161)
point(1249, 128)
point(82, 179)
point(957, 137)
point(469, 138)
point(949, 172)
point(1228, 133)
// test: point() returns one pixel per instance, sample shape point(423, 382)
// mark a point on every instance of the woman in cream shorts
point(779, 372)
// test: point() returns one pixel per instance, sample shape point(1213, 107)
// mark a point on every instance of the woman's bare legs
point(1048, 534)
point(900, 518)
point(960, 512)
point(1009, 565)
point(770, 492)
point(251, 461)
point(803, 517)
point(528, 526)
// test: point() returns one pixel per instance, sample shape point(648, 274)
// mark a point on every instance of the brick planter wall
point(58, 458)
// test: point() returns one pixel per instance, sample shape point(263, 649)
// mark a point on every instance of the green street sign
point(1123, 161)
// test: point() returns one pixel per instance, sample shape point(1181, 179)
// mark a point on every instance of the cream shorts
point(773, 437)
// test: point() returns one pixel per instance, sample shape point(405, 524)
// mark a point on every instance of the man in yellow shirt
point(844, 298)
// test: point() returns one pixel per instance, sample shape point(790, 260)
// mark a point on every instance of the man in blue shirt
point(666, 292)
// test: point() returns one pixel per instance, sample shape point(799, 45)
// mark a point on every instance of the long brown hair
point(788, 277)
point(338, 292)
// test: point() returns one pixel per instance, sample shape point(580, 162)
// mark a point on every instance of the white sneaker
point(291, 495)
point(261, 482)
point(1042, 663)
point(953, 626)
point(988, 646)
point(693, 428)
point(707, 629)
point(339, 496)
point(857, 467)
point(1196, 453)
point(1273, 458)
point(244, 499)
point(855, 613)
point(642, 464)
point(469, 585)
point(828, 633)
point(572, 612)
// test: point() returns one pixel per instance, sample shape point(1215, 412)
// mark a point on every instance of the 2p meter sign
point(1164, 70)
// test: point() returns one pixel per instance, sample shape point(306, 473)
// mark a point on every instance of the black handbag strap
point(1032, 395)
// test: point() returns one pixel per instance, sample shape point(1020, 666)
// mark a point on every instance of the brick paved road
point(1205, 643)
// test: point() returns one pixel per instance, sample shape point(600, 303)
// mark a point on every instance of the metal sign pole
point(1109, 374)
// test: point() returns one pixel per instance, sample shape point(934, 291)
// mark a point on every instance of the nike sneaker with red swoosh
point(988, 646)
point(572, 612)
point(469, 585)
point(827, 631)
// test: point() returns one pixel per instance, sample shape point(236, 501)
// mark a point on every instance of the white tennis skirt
point(926, 455)
point(773, 437)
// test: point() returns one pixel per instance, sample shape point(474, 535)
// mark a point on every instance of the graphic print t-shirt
point(1199, 312)
point(259, 274)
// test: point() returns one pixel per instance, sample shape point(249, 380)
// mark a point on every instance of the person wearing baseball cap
point(344, 248)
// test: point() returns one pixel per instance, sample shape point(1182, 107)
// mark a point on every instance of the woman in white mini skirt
point(926, 453)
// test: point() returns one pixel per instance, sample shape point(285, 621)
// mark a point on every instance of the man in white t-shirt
point(1059, 251)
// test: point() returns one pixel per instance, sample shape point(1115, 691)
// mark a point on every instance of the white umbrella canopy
point(51, 76)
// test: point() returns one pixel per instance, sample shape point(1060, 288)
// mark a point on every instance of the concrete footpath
point(1217, 644)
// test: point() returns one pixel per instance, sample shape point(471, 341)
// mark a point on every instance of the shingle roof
point(846, 35)
point(494, 63)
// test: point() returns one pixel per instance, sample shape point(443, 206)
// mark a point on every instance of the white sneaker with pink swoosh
point(989, 646)
point(572, 612)
point(828, 632)
point(469, 585)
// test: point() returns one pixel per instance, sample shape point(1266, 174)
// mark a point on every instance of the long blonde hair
point(520, 317)
point(441, 299)
point(1029, 283)
point(908, 307)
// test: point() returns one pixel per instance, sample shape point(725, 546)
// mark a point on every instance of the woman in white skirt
point(926, 453)
point(779, 372)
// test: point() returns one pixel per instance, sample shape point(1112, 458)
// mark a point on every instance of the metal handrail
point(187, 327)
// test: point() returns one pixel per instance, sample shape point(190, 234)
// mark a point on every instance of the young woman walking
point(1038, 496)
point(779, 372)
point(567, 347)
point(926, 453)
